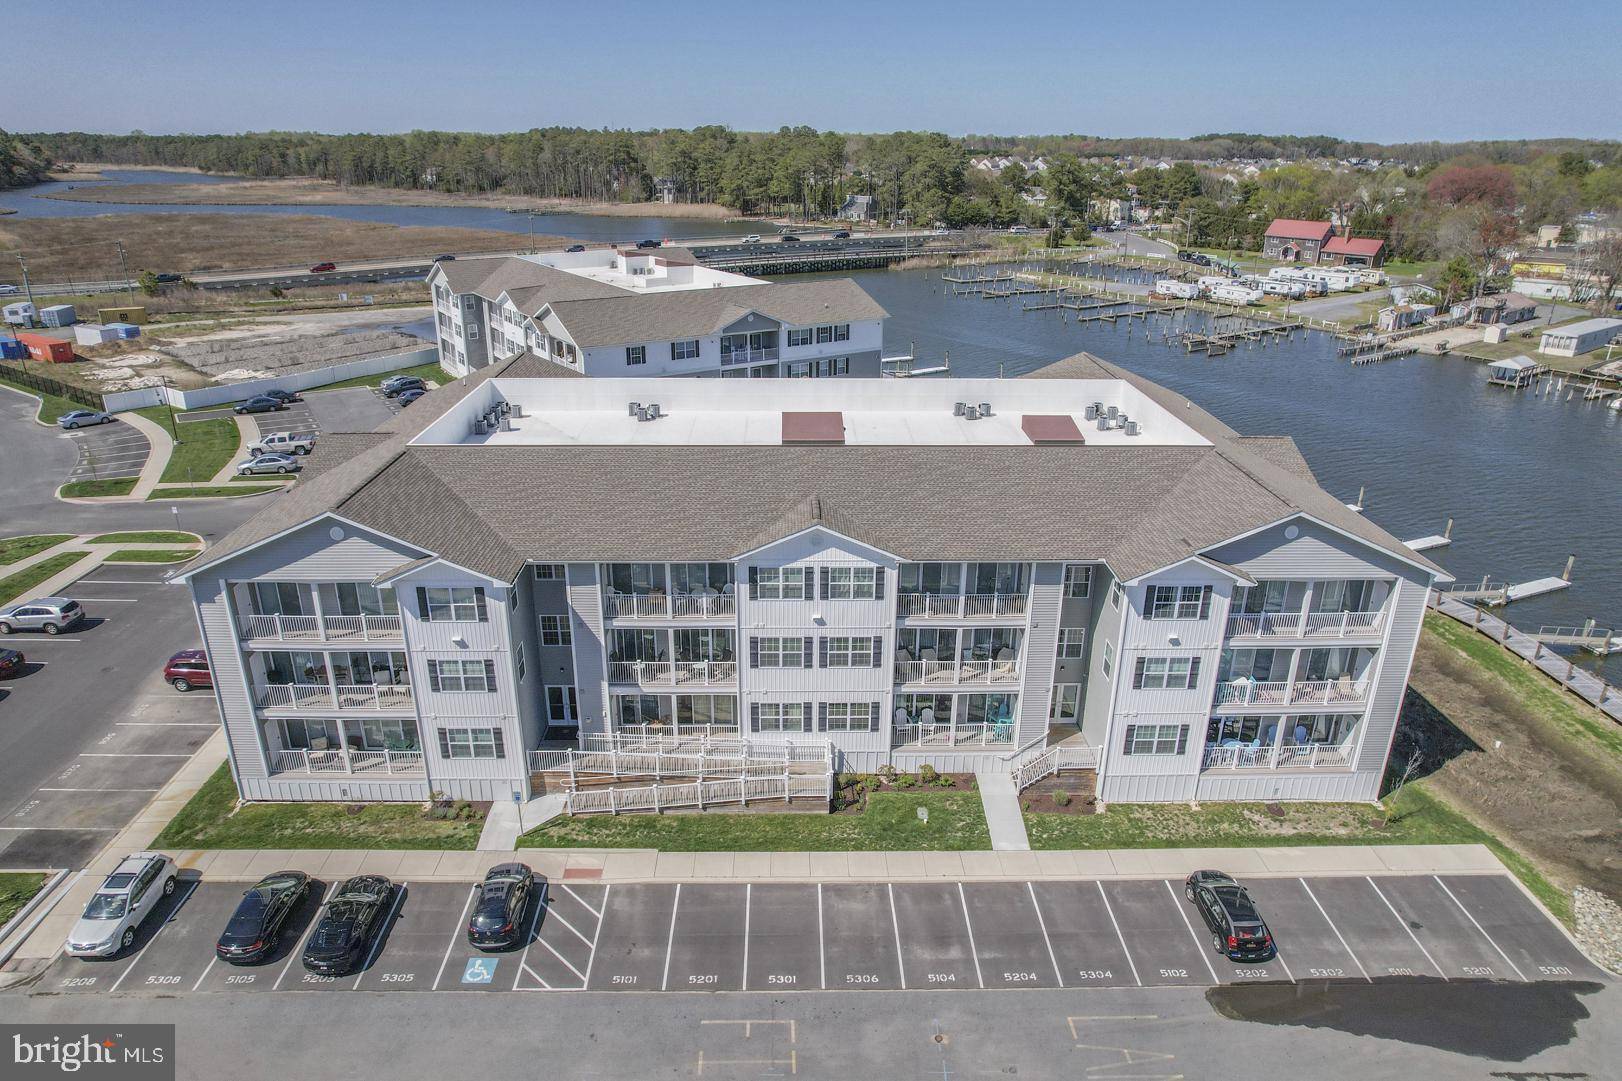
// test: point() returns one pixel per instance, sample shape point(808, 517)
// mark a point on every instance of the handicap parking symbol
point(480, 970)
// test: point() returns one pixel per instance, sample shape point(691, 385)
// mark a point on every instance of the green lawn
point(21, 583)
point(13, 549)
point(212, 819)
point(150, 536)
point(85, 489)
point(15, 891)
point(152, 555)
point(889, 824)
point(51, 406)
point(430, 372)
point(205, 491)
point(203, 449)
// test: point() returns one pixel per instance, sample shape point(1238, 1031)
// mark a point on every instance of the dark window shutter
point(1137, 674)
point(433, 677)
point(822, 652)
point(754, 653)
point(501, 744)
point(1205, 602)
point(1131, 730)
point(822, 577)
point(878, 583)
point(878, 651)
point(874, 709)
point(754, 583)
point(422, 603)
point(444, 743)
point(490, 676)
point(478, 604)
point(805, 653)
point(1182, 738)
point(822, 716)
point(754, 716)
point(1148, 602)
point(806, 714)
point(1193, 672)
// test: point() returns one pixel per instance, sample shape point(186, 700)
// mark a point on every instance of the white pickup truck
point(283, 443)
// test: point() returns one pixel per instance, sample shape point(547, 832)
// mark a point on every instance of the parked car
point(322, 268)
point(283, 395)
point(498, 921)
point(399, 384)
point(408, 396)
point(12, 663)
point(1186, 256)
point(80, 418)
point(648, 243)
point(126, 898)
point(444, 258)
point(347, 925)
point(842, 234)
point(52, 615)
point(752, 238)
point(1019, 230)
point(7, 289)
point(788, 238)
point(283, 443)
point(169, 279)
point(575, 247)
point(1237, 928)
point(188, 669)
point(268, 463)
point(255, 927)
point(259, 403)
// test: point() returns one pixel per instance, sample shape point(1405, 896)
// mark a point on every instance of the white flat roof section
point(658, 274)
point(726, 412)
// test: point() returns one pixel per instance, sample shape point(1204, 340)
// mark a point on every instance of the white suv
point(129, 895)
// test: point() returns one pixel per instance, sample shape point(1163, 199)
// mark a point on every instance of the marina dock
point(1435, 540)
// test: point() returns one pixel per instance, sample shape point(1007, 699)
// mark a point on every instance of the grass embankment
point(51, 406)
point(152, 555)
point(890, 824)
point(23, 582)
point(150, 536)
point(202, 447)
point(16, 890)
point(13, 549)
point(211, 491)
point(88, 489)
point(212, 819)
point(430, 372)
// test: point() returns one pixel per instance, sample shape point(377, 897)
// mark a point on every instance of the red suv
point(188, 669)
point(322, 268)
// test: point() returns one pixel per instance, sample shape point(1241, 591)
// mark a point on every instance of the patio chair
point(929, 653)
point(901, 718)
point(926, 716)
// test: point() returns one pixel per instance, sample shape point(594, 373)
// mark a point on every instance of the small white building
point(1579, 338)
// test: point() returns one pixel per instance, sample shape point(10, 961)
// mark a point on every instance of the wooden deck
point(1564, 671)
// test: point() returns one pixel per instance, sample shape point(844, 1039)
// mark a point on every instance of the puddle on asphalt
point(1502, 1021)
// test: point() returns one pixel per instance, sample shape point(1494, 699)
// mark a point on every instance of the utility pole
point(124, 268)
point(170, 402)
point(29, 289)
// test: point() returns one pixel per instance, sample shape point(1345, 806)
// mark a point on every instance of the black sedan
point(256, 925)
point(282, 395)
point(348, 924)
point(498, 921)
point(1237, 928)
point(262, 403)
point(12, 663)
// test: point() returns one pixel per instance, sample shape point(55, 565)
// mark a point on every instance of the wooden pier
point(1496, 594)
point(1220, 341)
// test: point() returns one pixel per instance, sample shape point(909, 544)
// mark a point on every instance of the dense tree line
point(22, 162)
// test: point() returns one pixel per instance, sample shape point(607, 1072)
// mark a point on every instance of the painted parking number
point(480, 970)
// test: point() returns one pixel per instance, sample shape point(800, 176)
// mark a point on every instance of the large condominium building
point(649, 312)
point(943, 571)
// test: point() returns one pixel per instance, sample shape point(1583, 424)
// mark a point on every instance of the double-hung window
point(780, 717)
point(1155, 739)
point(846, 651)
point(636, 354)
point(476, 676)
point(778, 583)
point(471, 743)
point(825, 335)
point(684, 350)
point(457, 604)
point(1072, 642)
point(1166, 673)
point(841, 332)
point(850, 583)
point(1116, 592)
point(1108, 663)
point(1177, 602)
point(545, 572)
point(1078, 580)
point(555, 631)
point(780, 652)
point(847, 716)
point(799, 337)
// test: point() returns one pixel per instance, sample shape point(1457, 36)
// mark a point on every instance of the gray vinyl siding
point(553, 665)
point(586, 624)
point(1043, 609)
point(1407, 615)
point(1318, 552)
point(1268, 785)
point(348, 789)
point(522, 629)
point(310, 554)
point(1147, 788)
point(231, 690)
point(1099, 693)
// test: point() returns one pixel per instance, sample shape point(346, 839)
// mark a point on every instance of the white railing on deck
point(1244, 692)
point(297, 760)
point(699, 794)
point(993, 604)
point(362, 696)
point(636, 605)
point(1305, 624)
point(703, 605)
point(362, 626)
point(304, 628)
point(957, 672)
point(1288, 756)
point(1329, 692)
point(947, 735)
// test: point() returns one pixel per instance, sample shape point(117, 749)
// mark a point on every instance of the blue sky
point(1360, 69)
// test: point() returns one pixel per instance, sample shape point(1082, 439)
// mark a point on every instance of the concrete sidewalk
point(1000, 801)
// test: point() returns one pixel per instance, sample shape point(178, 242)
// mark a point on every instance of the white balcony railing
point(1305, 624)
point(747, 356)
point(955, 605)
point(706, 671)
point(665, 674)
point(927, 605)
point(948, 735)
point(316, 696)
point(1343, 624)
point(993, 604)
point(703, 605)
point(1288, 756)
point(1316, 692)
point(1244, 692)
point(296, 760)
point(640, 672)
point(636, 606)
point(304, 628)
point(937, 672)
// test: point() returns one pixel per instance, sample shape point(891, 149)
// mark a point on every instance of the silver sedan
point(268, 463)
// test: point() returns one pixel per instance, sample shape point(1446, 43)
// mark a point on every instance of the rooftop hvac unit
point(517, 410)
point(1114, 411)
point(959, 409)
point(636, 409)
point(1092, 412)
point(506, 424)
point(1131, 427)
point(641, 413)
point(653, 411)
point(1103, 423)
point(985, 409)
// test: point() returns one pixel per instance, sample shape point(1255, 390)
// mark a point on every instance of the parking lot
point(108, 450)
point(871, 936)
point(90, 730)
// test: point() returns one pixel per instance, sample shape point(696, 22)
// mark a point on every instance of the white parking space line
point(95, 790)
point(1043, 924)
point(164, 724)
point(1343, 943)
point(64, 829)
point(108, 600)
point(670, 942)
point(118, 582)
point(136, 960)
point(1471, 917)
point(1116, 924)
point(747, 903)
point(1279, 957)
point(472, 892)
point(529, 940)
point(382, 933)
point(206, 971)
point(592, 959)
point(570, 967)
point(49, 640)
point(1198, 946)
point(298, 950)
point(822, 953)
point(895, 924)
point(523, 968)
point(581, 901)
point(571, 927)
point(974, 950)
point(1404, 923)
point(109, 754)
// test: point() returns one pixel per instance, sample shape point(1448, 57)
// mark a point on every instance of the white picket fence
point(699, 795)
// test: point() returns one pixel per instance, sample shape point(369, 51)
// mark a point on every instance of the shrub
point(927, 774)
point(870, 783)
point(1061, 799)
point(944, 781)
point(906, 780)
point(887, 772)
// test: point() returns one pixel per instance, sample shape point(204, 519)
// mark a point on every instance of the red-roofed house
point(1290, 240)
point(1353, 251)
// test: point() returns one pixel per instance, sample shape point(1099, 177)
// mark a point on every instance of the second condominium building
point(944, 571)
point(649, 312)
